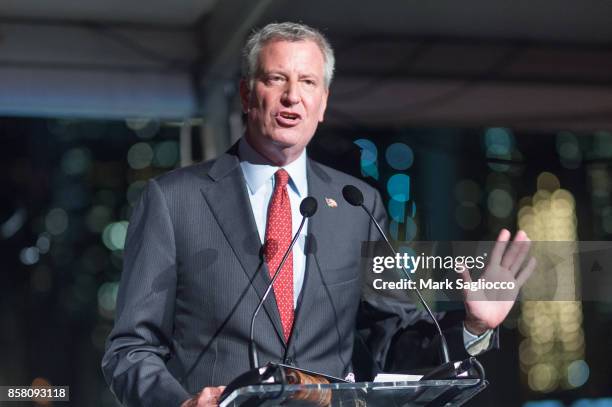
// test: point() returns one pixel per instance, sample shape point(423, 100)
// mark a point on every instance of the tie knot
point(281, 177)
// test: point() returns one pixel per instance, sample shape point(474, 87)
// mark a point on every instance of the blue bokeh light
point(397, 210)
point(399, 156)
point(369, 158)
point(398, 187)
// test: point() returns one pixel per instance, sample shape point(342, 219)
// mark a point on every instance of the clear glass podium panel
point(428, 393)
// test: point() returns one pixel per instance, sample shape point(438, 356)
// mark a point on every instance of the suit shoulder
point(196, 174)
point(341, 178)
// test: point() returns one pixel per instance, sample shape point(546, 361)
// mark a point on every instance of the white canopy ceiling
point(150, 12)
point(523, 63)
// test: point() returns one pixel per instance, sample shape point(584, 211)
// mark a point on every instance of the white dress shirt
point(259, 176)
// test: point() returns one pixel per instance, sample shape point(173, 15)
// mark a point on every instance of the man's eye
point(275, 79)
point(310, 82)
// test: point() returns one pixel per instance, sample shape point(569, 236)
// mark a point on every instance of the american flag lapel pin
point(331, 203)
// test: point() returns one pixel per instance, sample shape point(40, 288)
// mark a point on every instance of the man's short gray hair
point(287, 31)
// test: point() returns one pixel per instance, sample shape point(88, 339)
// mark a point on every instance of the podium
point(429, 393)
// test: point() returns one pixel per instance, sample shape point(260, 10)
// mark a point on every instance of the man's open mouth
point(287, 118)
point(289, 115)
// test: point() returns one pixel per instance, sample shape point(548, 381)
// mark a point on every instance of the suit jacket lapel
point(319, 241)
point(228, 199)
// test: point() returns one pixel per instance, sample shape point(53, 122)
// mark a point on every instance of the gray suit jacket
point(194, 272)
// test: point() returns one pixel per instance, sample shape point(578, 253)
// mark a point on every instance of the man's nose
point(291, 96)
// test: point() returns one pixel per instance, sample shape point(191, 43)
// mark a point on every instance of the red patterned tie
point(278, 239)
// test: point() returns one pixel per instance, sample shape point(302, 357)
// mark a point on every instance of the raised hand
point(486, 309)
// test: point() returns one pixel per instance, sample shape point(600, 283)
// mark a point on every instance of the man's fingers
point(512, 251)
point(516, 253)
point(209, 397)
point(500, 246)
point(466, 276)
point(520, 258)
point(526, 272)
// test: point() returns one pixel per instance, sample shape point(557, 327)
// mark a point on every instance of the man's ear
point(323, 105)
point(245, 94)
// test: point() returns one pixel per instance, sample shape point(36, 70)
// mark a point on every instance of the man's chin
point(287, 139)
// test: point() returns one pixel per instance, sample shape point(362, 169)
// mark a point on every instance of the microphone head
point(352, 195)
point(308, 207)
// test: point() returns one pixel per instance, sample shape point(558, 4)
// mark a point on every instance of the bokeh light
point(56, 221)
point(554, 338)
point(568, 149)
point(399, 156)
point(411, 229)
point(398, 187)
point(145, 128)
point(577, 373)
point(43, 243)
point(548, 181)
point(41, 382)
point(500, 203)
point(76, 161)
point(369, 152)
point(114, 235)
point(542, 377)
point(107, 299)
point(501, 139)
point(600, 184)
point(29, 255)
point(499, 143)
point(397, 210)
point(140, 156)
point(602, 144)
point(166, 154)
point(369, 158)
point(468, 190)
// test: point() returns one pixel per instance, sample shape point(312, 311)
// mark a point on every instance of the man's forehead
point(283, 41)
point(280, 47)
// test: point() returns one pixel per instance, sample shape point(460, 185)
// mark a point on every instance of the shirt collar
point(257, 170)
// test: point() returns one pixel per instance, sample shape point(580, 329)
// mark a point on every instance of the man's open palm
point(486, 309)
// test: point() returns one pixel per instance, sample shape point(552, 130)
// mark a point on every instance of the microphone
point(354, 197)
point(308, 207)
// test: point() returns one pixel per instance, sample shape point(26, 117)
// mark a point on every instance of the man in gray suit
point(196, 264)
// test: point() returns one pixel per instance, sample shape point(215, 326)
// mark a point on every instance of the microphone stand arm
point(444, 345)
point(253, 357)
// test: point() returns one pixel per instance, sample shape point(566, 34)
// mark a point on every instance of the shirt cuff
point(474, 344)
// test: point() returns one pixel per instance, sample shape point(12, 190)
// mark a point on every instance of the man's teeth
point(289, 115)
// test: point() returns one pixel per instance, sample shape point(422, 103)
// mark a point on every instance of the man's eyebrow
point(311, 75)
point(272, 72)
